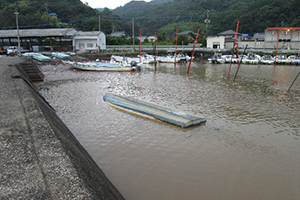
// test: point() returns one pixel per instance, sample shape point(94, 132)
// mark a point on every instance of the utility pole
point(99, 23)
point(17, 23)
point(207, 21)
point(133, 34)
point(46, 6)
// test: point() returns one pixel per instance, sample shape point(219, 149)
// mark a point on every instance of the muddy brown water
point(249, 147)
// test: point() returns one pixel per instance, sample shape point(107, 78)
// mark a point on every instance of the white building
point(89, 41)
point(223, 40)
point(286, 38)
point(216, 42)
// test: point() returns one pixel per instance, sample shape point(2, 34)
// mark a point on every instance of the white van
point(12, 50)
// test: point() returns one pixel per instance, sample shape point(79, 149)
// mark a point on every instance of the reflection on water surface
point(248, 148)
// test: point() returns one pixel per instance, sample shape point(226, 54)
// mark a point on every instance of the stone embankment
point(39, 156)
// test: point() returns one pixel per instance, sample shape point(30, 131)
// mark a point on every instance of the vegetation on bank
point(161, 15)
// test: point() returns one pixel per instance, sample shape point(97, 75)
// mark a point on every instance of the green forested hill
point(161, 15)
point(254, 15)
point(34, 14)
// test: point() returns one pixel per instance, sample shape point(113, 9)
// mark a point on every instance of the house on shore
point(89, 41)
point(223, 40)
point(287, 38)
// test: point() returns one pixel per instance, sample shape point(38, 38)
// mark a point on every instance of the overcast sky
point(112, 4)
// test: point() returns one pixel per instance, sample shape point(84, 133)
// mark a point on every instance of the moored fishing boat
point(251, 59)
point(104, 66)
point(216, 59)
point(267, 60)
point(294, 60)
point(282, 59)
point(153, 111)
point(171, 59)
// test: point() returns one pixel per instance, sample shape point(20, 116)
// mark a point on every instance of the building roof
point(118, 34)
point(87, 33)
point(258, 36)
point(282, 28)
point(228, 32)
point(51, 32)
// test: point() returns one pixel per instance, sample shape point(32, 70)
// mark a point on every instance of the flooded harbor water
point(248, 148)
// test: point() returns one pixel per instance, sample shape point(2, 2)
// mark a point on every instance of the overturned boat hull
point(153, 111)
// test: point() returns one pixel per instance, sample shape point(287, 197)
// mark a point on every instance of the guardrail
point(182, 48)
point(169, 48)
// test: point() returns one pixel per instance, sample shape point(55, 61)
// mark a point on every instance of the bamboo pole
point(237, 70)
point(193, 52)
point(140, 45)
point(293, 81)
point(155, 62)
point(234, 46)
point(176, 45)
point(277, 48)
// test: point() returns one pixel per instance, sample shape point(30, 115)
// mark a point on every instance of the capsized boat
point(41, 57)
point(36, 56)
point(153, 111)
point(60, 55)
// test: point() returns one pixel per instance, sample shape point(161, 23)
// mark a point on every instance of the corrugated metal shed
point(33, 33)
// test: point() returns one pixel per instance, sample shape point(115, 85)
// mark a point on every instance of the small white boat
point(294, 60)
point(171, 59)
point(217, 59)
point(267, 60)
point(282, 59)
point(252, 59)
point(104, 66)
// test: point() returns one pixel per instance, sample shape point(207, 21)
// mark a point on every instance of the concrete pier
point(39, 157)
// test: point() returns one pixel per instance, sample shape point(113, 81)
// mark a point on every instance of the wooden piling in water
point(277, 48)
point(155, 62)
point(237, 70)
point(176, 45)
point(193, 52)
point(140, 45)
point(234, 46)
point(294, 81)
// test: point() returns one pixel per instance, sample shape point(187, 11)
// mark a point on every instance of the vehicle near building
point(12, 50)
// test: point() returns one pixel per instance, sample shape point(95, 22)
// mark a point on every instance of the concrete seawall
point(39, 156)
